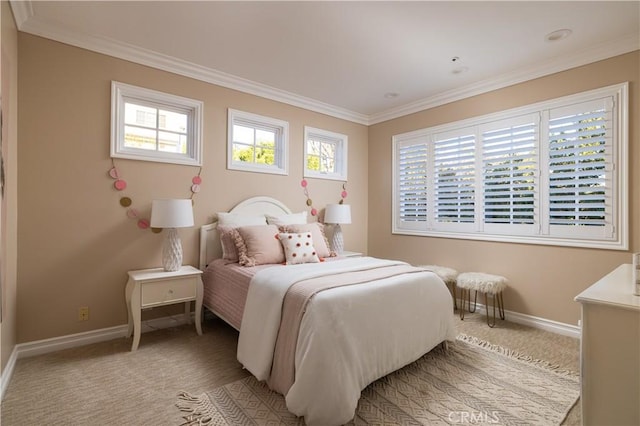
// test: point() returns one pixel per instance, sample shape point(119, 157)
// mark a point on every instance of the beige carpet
point(469, 382)
point(106, 384)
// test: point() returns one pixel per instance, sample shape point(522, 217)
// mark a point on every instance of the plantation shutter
point(510, 173)
point(411, 184)
point(554, 172)
point(580, 169)
point(454, 178)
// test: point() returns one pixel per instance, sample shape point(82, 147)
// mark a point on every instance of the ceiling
point(362, 61)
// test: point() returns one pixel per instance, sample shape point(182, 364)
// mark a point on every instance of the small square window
point(257, 143)
point(155, 126)
point(325, 154)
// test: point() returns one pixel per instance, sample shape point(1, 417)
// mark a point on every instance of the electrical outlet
point(83, 313)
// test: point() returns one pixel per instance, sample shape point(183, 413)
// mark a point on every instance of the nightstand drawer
point(170, 291)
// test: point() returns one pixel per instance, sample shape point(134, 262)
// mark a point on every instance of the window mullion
point(431, 186)
point(541, 204)
point(157, 129)
point(612, 150)
point(480, 179)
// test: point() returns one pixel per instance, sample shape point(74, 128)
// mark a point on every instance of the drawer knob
point(170, 291)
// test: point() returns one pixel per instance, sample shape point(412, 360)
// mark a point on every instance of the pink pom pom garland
point(314, 211)
point(132, 213)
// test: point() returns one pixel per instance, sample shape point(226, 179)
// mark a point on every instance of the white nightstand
point(148, 288)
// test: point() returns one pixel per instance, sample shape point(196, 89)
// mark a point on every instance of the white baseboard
point(7, 372)
point(39, 347)
point(535, 322)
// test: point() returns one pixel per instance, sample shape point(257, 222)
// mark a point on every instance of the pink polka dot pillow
point(298, 248)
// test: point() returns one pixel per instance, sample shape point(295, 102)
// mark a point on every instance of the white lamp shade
point(171, 214)
point(337, 213)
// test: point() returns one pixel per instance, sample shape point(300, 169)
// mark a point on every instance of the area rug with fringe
point(469, 382)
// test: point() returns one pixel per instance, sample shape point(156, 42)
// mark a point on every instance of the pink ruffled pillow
point(228, 237)
point(259, 245)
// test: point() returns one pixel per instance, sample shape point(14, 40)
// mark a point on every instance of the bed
point(319, 332)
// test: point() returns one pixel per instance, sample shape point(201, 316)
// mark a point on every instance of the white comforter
point(349, 336)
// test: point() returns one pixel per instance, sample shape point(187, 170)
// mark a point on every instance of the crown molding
point(107, 46)
point(599, 52)
point(27, 22)
point(22, 11)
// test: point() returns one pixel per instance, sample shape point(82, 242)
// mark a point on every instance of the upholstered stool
point(483, 283)
point(448, 275)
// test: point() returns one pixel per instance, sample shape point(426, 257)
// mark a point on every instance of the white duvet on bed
point(349, 336)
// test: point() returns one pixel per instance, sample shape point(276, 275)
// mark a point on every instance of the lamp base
point(172, 251)
point(337, 241)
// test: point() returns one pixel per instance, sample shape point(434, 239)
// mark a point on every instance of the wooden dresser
point(610, 350)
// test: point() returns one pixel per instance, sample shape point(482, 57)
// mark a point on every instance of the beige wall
point(543, 279)
point(76, 244)
point(9, 240)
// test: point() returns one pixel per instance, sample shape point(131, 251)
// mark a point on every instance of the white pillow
point(288, 219)
point(236, 220)
point(298, 248)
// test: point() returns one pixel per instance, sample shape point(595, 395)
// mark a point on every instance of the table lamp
point(337, 214)
point(171, 214)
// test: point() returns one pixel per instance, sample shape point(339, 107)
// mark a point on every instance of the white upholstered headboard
point(210, 247)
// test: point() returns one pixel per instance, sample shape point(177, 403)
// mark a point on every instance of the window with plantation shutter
point(411, 184)
point(580, 169)
point(510, 174)
point(454, 178)
point(550, 173)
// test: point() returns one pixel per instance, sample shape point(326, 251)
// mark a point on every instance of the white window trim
point(341, 154)
point(282, 152)
point(620, 178)
point(121, 91)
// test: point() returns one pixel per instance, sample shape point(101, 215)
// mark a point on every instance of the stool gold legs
point(497, 299)
point(465, 296)
point(465, 300)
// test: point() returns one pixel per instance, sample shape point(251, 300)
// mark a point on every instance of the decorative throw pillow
point(317, 233)
point(259, 245)
point(287, 219)
point(298, 248)
point(228, 236)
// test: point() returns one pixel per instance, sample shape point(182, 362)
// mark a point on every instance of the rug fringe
point(516, 355)
point(200, 409)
